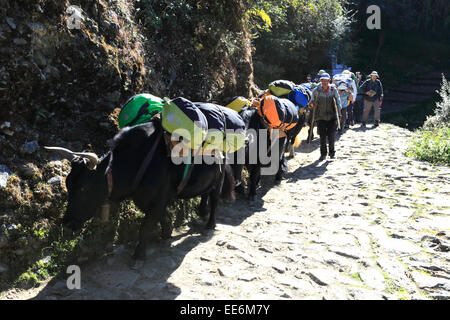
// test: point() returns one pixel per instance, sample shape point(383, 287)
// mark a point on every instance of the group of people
point(340, 102)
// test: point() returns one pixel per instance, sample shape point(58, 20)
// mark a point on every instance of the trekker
point(359, 103)
point(373, 89)
point(346, 95)
point(326, 111)
point(354, 91)
point(309, 117)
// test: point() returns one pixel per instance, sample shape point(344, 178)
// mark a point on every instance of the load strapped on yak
point(237, 103)
point(278, 113)
point(203, 126)
point(300, 95)
point(140, 108)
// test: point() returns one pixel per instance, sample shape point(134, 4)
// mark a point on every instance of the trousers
point(327, 131)
point(376, 110)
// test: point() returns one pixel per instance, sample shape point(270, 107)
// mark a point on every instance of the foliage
point(431, 145)
point(432, 142)
point(409, 15)
point(412, 41)
point(441, 115)
point(302, 35)
point(203, 45)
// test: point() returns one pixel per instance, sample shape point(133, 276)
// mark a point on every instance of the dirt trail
point(371, 224)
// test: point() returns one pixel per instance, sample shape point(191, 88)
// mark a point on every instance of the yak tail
point(297, 141)
point(228, 185)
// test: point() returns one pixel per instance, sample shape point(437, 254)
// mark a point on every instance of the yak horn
point(70, 155)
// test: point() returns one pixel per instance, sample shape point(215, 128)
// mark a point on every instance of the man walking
point(373, 90)
point(326, 108)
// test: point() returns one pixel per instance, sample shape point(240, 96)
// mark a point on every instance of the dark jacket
point(371, 85)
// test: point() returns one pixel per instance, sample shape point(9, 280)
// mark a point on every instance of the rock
point(12, 226)
point(113, 97)
point(29, 147)
point(373, 278)
point(26, 170)
point(105, 125)
point(10, 22)
point(321, 277)
point(19, 252)
point(45, 260)
point(3, 241)
point(221, 242)
point(231, 246)
point(55, 180)
point(5, 173)
point(20, 41)
point(3, 268)
point(248, 277)
point(40, 59)
point(227, 272)
point(426, 281)
point(278, 266)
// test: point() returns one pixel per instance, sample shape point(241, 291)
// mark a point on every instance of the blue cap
point(325, 76)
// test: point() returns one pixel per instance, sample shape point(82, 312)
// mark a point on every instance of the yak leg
point(255, 176)
point(282, 163)
point(237, 173)
point(166, 227)
point(203, 209)
point(214, 200)
point(150, 221)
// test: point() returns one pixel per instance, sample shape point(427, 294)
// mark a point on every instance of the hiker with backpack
point(326, 112)
point(358, 106)
point(346, 95)
point(373, 90)
point(354, 91)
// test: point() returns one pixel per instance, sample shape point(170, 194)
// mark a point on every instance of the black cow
point(115, 173)
point(254, 123)
point(292, 134)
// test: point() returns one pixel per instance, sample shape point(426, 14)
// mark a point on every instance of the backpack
point(281, 88)
point(140, 108)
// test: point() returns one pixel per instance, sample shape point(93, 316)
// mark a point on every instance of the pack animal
point(93, 182)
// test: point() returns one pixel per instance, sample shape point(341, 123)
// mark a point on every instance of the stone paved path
point(371, 224)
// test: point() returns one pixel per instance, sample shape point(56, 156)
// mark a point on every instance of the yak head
point(86, 185)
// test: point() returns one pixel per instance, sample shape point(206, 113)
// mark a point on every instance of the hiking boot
point(376, 124)
point(363, 125)
point(332, 156)
point(322, 157)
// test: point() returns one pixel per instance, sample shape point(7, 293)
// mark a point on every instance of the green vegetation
point(431, 145)
point(297, 36)
point(432, 142)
